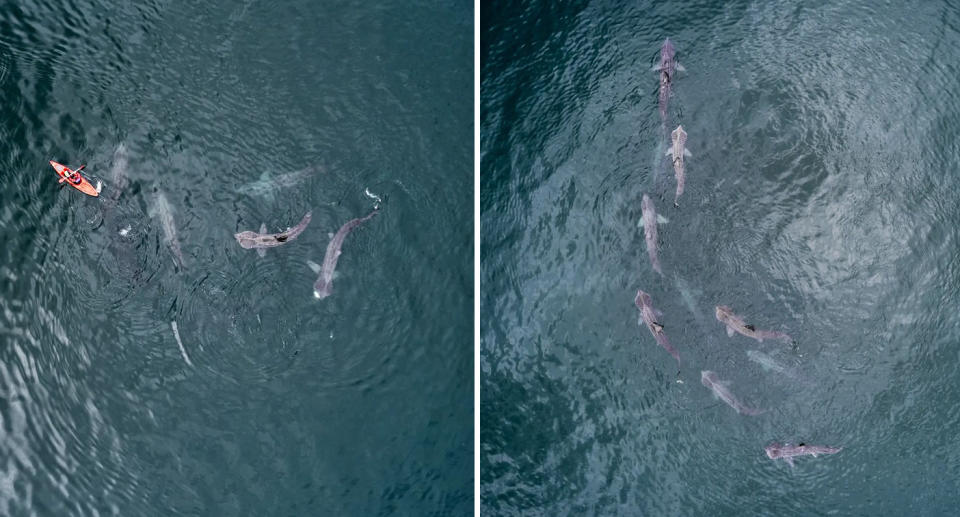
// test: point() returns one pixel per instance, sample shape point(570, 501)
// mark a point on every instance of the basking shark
point(787, 452)
point(690, 296)
point(162, 210)
point(719, 388)
point(735, 323)
point(667, 67)
point(678, 150)
point(649, 315)
point(650, 220)
point(770, 364)
point(323, 287)
point(118, 184)
point(263, 240)
point(118, 173)
point(126, 219)
point(267, 186)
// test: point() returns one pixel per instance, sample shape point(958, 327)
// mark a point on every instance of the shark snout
point(773, 451)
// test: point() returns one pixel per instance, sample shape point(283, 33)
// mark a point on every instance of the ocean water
point(820, 200)
point(273, 402)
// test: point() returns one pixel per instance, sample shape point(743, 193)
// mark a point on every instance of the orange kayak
point(84, 186)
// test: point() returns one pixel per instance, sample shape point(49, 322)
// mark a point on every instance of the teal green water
point(277, 403)
point(820, 200)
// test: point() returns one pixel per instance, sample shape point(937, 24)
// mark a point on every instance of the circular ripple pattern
point(194, 118)
point(820, 200)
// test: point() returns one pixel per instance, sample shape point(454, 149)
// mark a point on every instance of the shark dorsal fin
point(751, 328)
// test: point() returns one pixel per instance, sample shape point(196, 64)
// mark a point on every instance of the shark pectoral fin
point(655, 68)
point(329, 235)
point(687, 153)
point(681, 68)
point(662, 220)
point(669, 152)
point(314, 266)
point(729, 331)
point(262, 252)
point(789, 460)
point(263, 227)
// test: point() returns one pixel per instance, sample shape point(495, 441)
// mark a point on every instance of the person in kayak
point(74, 177)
